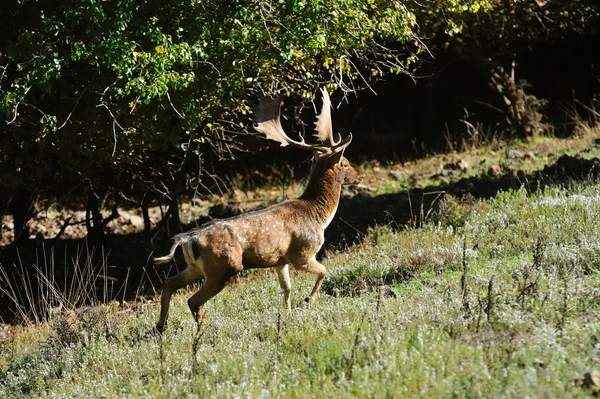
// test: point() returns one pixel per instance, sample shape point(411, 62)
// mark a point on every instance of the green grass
point(505, 303)
point(442, 168)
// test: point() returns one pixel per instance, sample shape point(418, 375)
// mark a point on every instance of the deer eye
point(345, 166)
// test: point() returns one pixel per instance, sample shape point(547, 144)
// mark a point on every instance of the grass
point(478, 158)
point(501, 301)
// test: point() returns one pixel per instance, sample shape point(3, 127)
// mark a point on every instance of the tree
point(95, 92)
point(490, 34)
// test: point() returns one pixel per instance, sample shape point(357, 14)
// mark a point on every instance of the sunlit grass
point(503, 304)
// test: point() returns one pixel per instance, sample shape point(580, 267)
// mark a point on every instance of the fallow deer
point(284, 234)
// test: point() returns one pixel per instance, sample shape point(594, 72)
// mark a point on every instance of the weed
point(38, 295)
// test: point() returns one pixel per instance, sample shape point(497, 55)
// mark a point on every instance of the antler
point(323, 124)
point(267, 121)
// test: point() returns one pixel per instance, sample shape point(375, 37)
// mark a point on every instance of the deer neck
point(322, 195)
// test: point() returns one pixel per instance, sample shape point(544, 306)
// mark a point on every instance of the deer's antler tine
point(323, 125)
point(301, 142)
point(342, 144)
point(266, 119)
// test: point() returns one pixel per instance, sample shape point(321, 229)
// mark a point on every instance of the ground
point(496, 296)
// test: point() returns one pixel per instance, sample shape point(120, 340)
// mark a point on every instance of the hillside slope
point(491, 298)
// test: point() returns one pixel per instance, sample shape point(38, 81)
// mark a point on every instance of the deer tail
point(179, 239)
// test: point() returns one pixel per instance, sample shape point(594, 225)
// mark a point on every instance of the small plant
point(454, 211)
point(392, 257)
point(37, 292)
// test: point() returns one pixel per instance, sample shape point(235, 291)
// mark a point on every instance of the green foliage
point(493, 27)
point(88, 84)
point(124, 92)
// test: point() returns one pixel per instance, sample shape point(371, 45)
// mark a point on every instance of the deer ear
point(316, 155)
point(336, 155)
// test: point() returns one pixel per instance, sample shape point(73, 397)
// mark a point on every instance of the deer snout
point(359, 178)
point(353, 177)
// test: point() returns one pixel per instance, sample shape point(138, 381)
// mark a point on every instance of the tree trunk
point(21, 207)
point(147, 222)
point(173, 212)
point(94, 221)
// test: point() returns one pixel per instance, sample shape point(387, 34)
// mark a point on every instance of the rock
point(592, 378)
point(514, 154)
point(495, 171)
point(461, 165)
point(363, 187)
point(439, 169)
point(136, 221)
point(396, 174)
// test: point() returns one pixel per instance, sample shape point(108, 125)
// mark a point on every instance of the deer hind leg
point(172, 284)
point(316, 268)
point(283, 275)
point(213, 284)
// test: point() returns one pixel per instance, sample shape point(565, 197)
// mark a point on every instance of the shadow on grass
point(122, 270)
point(409, 208)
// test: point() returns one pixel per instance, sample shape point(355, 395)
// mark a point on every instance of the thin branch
point(115, 138)
point(211, 64)
point(182, 116)
point(17, 107)
point(73, 110)
point(4, 68)
point(134, 104)
point(114, 118)
point(62, 229)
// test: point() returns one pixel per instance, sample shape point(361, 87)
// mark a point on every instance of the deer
point(289, 233)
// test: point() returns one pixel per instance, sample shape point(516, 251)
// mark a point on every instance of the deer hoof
point(193, 308)
point(153, 333)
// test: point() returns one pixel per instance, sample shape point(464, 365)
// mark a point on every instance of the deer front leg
point(283, 275)
point(316, 268)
